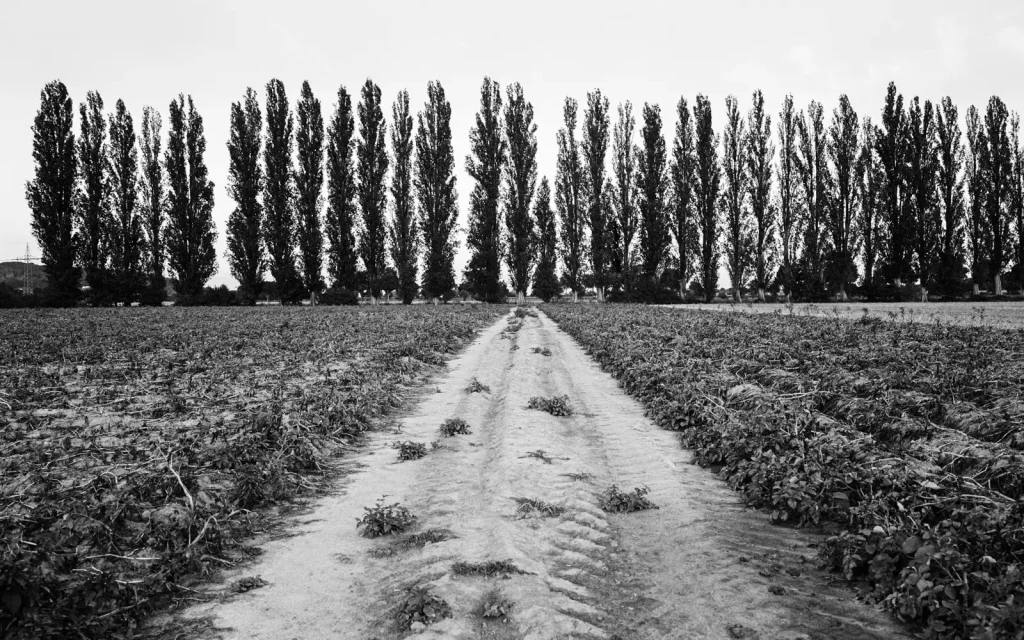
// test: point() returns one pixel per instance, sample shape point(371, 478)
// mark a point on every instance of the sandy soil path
point(700, 566)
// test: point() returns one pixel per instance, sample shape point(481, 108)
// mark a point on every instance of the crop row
point(140, 446)
point(774, 404)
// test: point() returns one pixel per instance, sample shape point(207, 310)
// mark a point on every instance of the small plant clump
point(486, 569)
point(578, 476)
point(381, 519)
point(557, 406)
point(410, 450)
point(248, 584)
point(544, 352)
point(495, 606)
point(540, 454)
point(475, 386)
point(615, 500)
point(529, 506)
point(422, 606)
point(455, 427)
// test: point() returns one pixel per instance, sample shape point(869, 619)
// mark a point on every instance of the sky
point(641, 51)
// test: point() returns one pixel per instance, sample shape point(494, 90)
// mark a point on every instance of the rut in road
point(700, 566)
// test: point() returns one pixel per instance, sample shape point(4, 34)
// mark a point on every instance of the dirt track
point(701, 566)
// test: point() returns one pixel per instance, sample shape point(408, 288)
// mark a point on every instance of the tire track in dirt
point(675, 572)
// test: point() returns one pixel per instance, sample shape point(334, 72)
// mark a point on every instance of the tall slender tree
point(435, 189)
point(545, 278)
point(151, 186)
point(869, 226)
point(682, 171)
point(759, 154)
point(94, 220)
point(489, 153)
point(708, 176)
point(653, 184)
point(246, 255)
point(404, 232)
point(812, 169)
point(340, 221)
point(979, 233)
point(950, 178)
point(520, 184)
point(922, 188)
point(127, 244)
point(997, 162)
point(1016, 198)
point(624, 168)
point(279, 194)
point(569, 199)
point(309, 185)
point(190, 229)
point(843, 149)
point(892, 151)
point(372, 168)
point(52, 195)
point(790, 220)
point(739, 239)
point(596, 125)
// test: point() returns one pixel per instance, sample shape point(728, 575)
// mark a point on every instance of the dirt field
point(699, 566)
point(999, 315)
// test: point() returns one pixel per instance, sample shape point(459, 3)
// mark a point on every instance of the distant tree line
point(807, 210)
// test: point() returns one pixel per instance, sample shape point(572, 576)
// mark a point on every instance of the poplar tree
point(892, 151)
point(309, 185)
point(372, 168)
point(52, 193)
point(151, 186)
point(246, 255)
point(596, 124)
point(950, 178)
point(841, 221)
point(812, 170)
point(435, 189)
point(94, 220)
point(759, 154)
point(653, 183)
point(708, 174)
point(485, 165)
point(569, 199)
point(869, 187)
point(127, 244)
point(790, 221)
point(979, 233)
point(545, 278)
point(190, 230)
point(739, 241)
point(403, 230)
point(922, 189)
point(340, 221)
point(624, 168)
point(520, 184)
point(997, 163)
point(1016, 197)
point(683, 208)
point(279, 194)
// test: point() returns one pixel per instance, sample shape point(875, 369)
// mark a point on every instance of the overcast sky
point(642, 51)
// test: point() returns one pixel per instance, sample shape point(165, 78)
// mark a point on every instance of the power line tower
point(26, 287)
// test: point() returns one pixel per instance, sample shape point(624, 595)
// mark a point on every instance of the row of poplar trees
point(902, 202)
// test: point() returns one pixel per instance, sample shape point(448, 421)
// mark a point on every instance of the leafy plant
point(475, 386)
point(557, 406)
point(495, 606)
point(410, 450)
point(529, 506)
point(420, 605)
point(543, 351)
point(455, 427)
point(614, 500)
point(384, 519)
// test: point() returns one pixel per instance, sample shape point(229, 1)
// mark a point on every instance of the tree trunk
point(682, 290)
point(842, 293)
point(898, 282)
point(436, 301)
point(999, 285)
point(521, 299)
point(924, 294)
point(736, 295)
point(976, 289)
point(575, 296)
point(760, 294)
point(312, 298)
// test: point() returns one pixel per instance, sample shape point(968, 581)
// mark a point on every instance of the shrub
point(336, 296)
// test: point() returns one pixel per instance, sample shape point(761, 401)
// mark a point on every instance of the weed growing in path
point(423, 607)
point(486, 569)
point(557, 406)
point(455, 427)
point(544, 352)
point(530, 506)
point(615, 500)
point(579, 475)
point(382, 519)
point(410, 450)
point(475, 386)
point(539, 454)
point(495, 606)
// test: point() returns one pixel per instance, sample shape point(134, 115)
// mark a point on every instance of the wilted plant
point(529, 506)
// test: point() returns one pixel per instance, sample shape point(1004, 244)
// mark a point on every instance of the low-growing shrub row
point(932, 543)
point(138, 443)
